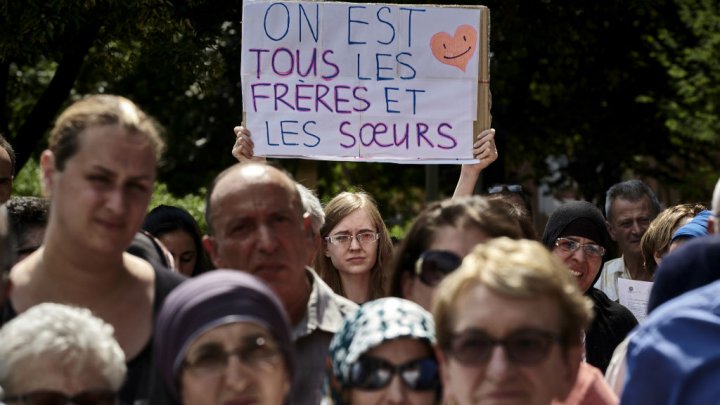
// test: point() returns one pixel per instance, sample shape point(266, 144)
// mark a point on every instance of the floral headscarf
point(372, 324)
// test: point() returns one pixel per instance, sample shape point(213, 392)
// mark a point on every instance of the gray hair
point(52, 329)
point(631, 190)
point(311, 205)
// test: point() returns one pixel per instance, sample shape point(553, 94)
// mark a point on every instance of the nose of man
point(267, 240)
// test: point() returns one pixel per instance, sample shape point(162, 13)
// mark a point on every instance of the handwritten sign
point(374, 82)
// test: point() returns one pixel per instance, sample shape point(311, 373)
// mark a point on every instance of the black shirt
point(142, 381)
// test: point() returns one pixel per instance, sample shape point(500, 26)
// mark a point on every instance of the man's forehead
point(254, 189)
point(630, 208)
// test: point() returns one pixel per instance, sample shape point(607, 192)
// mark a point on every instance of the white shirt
point(608, 281)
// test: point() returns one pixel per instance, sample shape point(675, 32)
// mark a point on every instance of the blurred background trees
point(584, 94)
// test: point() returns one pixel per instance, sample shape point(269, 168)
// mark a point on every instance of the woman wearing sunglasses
point(223, 338)
point(54, 354)
point(356, 246)
point(509, 327)
point(383, 354)
point(576, 233)
point(439, 238)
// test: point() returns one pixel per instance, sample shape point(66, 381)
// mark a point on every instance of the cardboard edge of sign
point(484, 100)
point(484, 119)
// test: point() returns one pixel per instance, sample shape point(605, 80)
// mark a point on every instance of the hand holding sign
point(457, 50)
point(485, 150)
point(243, 149)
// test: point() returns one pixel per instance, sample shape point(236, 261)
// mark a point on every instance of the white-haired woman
point(54, 354)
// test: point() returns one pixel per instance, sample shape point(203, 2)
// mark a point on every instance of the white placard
point(369, 82)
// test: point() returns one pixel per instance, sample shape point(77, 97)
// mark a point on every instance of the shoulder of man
point(328, 299)
point(678, 341)
point(614, 265)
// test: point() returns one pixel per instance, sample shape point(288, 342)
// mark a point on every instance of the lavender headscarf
point(210, 300)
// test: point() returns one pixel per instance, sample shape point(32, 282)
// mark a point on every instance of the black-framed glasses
point(433, 265)
point(525, 347)
point(49, 397)
point(372, 373)
point(513, 188)
point(570, 246)
point(364, 238)
point(212, 359)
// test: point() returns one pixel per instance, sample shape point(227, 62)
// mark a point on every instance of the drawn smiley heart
point(455, 50)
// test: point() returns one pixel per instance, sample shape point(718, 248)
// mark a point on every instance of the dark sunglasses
point(525, 347)
point(90, 397)
point(512, 188)
point(433, 265)
point(371, 373)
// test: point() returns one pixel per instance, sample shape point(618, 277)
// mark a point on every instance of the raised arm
point(484, 150)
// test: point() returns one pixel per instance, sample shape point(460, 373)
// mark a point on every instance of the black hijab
point(579, 218)
point(612, 321)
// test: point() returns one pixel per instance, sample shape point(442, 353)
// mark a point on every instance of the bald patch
point(242, 176)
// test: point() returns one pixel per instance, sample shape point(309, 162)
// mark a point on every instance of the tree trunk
point(52, 99)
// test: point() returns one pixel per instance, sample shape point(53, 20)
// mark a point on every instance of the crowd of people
point(289, 301)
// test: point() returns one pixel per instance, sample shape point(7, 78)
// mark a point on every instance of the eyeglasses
point(569, 246)
point(371, 373)
point(47, 397)
point(212, 360)
point(525, 347)
point(433, 265)
point(364, 238)
point(513, 188)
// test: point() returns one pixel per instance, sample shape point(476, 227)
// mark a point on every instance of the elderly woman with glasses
point(509, 328)
point(56, 354)
point(224, 338)
point(440, 237)
point(384, 354)
point(356, 246)
point(576, 233)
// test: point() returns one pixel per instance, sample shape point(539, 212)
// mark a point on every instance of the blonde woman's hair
point(656, 240)
point(100, 110)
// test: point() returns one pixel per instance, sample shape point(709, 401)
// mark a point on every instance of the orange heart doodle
point(455, 50)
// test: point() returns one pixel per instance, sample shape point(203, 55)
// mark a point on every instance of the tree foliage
point(610, 88)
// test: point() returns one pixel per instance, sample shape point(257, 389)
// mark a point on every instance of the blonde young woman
point(99, 172)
